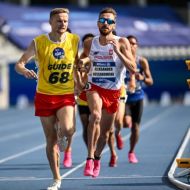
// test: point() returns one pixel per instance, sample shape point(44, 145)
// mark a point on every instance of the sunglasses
point(103, 20)
point(133, 43)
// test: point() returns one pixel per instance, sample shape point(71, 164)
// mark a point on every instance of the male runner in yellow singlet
point(55, 54)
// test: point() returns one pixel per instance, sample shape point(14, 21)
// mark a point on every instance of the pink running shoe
point(97, 167)
point(88, 170)
point(119, 141)
point(132, 158)
point(67, 161)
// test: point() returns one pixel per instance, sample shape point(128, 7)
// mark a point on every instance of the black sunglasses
point(103, 20)
point(133, 43)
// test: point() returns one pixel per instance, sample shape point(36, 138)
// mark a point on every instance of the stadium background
point(162, 28)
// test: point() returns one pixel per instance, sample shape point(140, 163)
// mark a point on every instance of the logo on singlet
point(110, 51)
point(58, 53)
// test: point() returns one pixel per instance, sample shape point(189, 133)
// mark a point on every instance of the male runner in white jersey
point(109, 56)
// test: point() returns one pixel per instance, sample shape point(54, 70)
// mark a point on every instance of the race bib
point(103, 72)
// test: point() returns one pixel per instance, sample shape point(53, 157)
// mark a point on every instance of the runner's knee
point(95, 117)
point(70, 132)
point(127, 122)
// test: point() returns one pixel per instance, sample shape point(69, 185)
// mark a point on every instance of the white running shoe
point(62, 142)
point(55, 186)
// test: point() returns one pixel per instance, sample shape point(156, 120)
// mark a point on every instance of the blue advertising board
point(168, 76)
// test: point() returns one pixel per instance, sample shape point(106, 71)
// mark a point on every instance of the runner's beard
point(104, 33)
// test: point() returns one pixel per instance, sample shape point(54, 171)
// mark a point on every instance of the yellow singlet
point(55, 63)
point(123, 91)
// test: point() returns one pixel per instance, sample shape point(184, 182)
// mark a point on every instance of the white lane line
point(143, 127)
point(73, 170)
point(22, 178)
point(21, 124)
point(28, 151)
point(171, 172)
point(148, 124)
point(22, 153)
point(19, 135)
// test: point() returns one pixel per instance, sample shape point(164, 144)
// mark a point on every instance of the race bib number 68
point(56, 77)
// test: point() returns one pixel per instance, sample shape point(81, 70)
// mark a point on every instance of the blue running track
point(23, 163)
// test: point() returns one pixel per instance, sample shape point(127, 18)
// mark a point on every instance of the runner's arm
point(83, 66)
point(84, 57)
point(126, 55)
point(20, 66)
point(147, 78)
point(123, 50)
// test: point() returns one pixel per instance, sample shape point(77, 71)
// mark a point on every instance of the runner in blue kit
point(134, 103)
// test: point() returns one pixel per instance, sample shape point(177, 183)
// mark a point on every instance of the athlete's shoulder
point(73, 36)
point(41, 37)
point(117, 37)
point(94, 41)
point(123, 40)
point(143, 60)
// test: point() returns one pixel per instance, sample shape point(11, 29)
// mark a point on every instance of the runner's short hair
point(108, 10)
point(58, 10)
point(132, 36)
point(87, 35)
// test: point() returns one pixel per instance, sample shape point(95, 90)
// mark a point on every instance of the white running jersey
point(107, 70)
